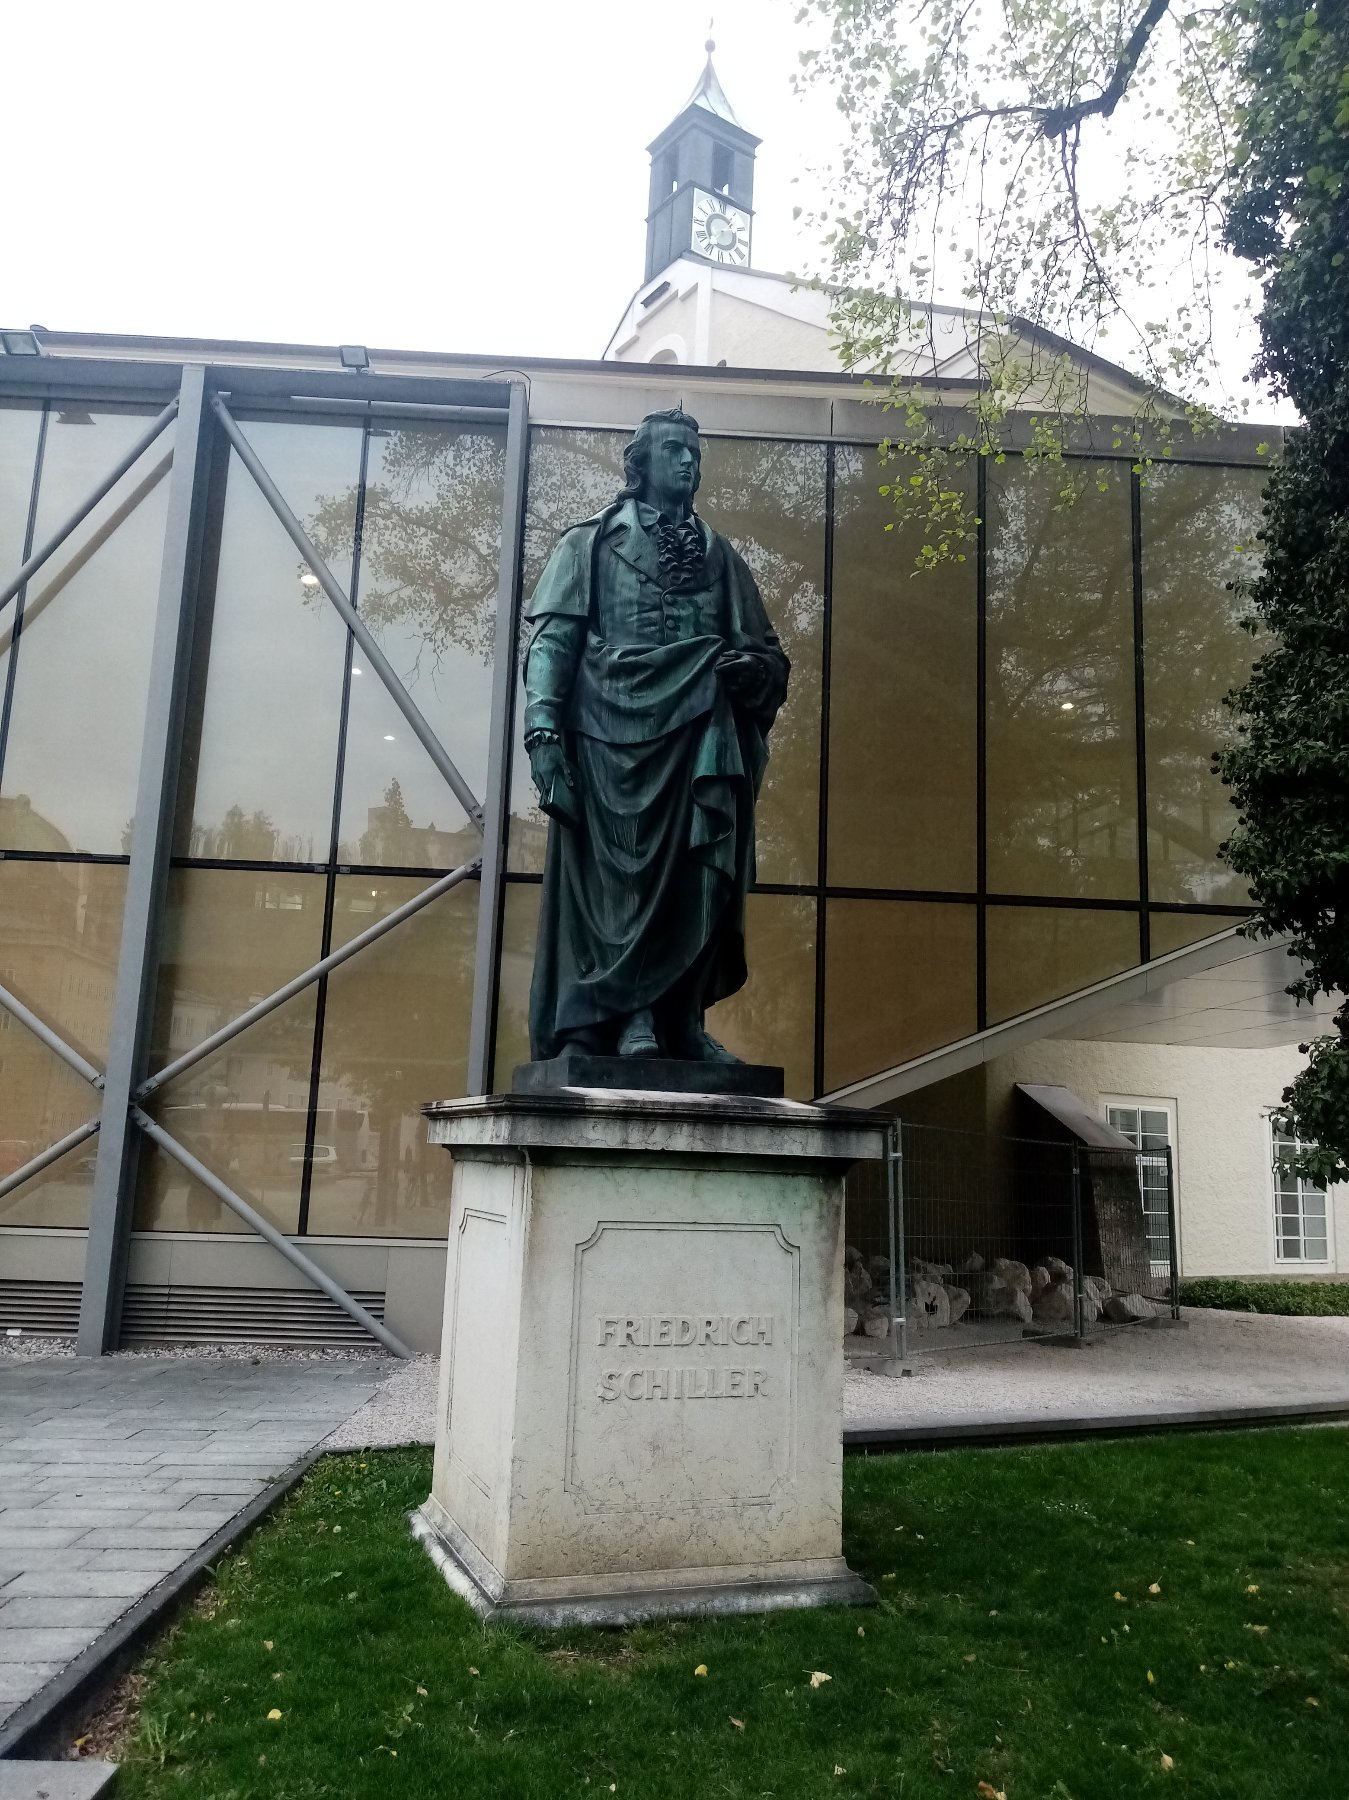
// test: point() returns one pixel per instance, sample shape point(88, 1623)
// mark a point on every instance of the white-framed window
point(1150, 1126)
point(1302, 1216)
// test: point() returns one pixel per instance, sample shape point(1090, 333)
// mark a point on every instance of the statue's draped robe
point(644, 901)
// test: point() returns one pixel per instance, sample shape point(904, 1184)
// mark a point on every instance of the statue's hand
point(555, 778)
point(746, 679)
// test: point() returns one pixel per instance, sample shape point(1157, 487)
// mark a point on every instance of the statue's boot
point(693, 1044)
point(638, 1036)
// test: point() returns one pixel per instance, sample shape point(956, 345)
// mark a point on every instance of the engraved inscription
point(683, 1331)
point(683, 1383)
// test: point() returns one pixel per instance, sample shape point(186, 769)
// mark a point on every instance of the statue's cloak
point(644, 900)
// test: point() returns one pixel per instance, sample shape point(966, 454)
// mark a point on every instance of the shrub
point(1319, 1299)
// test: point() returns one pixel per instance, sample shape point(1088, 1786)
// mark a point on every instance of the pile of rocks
point(939, 1295)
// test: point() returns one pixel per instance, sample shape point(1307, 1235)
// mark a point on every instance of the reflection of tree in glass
point(430, 538)
point(1062, 814)
point(1200, 530)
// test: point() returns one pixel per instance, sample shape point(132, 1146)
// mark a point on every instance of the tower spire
point(702, 179)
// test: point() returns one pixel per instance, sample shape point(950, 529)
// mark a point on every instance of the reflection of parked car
point(322, 1158)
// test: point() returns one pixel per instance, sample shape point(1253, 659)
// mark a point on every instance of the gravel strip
point(402, 1412)
point(1222, 1359)
point(27, 1347)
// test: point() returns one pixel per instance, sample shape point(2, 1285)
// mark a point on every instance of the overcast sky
point(403, 174)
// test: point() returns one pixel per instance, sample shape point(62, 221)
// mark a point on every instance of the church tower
point(702, 182)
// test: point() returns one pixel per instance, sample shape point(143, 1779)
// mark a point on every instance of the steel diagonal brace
point(335, 959)
point(350, 617)
point(265, 1229)
point(45, 1158)
point(40, 1029)
point(87, 505)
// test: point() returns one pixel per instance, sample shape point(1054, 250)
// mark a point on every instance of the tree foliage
point(1019, 178)
point(1289, 768)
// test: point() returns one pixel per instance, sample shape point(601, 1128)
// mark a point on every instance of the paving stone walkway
point(113, 1472)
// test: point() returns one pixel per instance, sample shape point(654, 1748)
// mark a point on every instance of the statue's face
point(674, 468)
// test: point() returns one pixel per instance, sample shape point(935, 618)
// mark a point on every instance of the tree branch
point(1058, 120)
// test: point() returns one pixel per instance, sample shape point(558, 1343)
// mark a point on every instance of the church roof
point(709, 93)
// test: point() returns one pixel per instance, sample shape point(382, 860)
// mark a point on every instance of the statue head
point(663, 463)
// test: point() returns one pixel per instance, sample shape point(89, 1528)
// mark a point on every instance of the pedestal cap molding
point(585, 1119)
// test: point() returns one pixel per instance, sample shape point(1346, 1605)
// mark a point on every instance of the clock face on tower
point(720, 230)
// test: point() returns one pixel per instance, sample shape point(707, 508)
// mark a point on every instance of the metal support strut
point(265, 1229)
point(89, 502)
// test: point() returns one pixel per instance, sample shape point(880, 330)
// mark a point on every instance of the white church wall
point(1224, 1184)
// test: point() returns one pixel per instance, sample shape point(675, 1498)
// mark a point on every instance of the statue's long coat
point(644, 901)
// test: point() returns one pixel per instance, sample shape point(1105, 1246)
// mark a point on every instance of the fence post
point(1079, 1330)
point(894, 1190)
point(1172, 1243)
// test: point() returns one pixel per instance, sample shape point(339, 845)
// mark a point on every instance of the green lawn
point(1054, 1622)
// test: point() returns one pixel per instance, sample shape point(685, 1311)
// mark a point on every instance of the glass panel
point(1041, 953)
point(1062, 778)
point(902, 725)
point(1124, 1119)
point(768, 499)
point(1169, 931)
point(82, 655)
point(395, 1035)
point(519, 930)
point(60, 926)
point(1199, 534)
point(260, 750)
point(19, 426)
point(772, 1018)
point(899, 980)
point(430, 542)
point(231, 937)
point(572, 474)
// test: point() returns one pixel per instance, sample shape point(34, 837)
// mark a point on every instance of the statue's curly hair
point(637, 453)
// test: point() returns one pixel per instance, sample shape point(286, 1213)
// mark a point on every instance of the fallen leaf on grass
point(970, 1657)
point(1252, 1587)
point(1310, 1702)
point(987, 1791)
point(738, 1723)
point(839, 1769)
point(1118, 1596)
point(422, 1692)
point(472, 1670)
point(1154, 1587)
point(1259, 1630)
point(701, 1669)
point(266, 1643)
point(861, 1631)
point(890, 1577)
point(1168, 1762)
point(818, 1677)
point(275, 1713)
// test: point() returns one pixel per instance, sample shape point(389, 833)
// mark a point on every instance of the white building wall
point(1224, 1185)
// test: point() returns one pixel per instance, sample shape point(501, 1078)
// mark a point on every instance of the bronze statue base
point(647, 1074)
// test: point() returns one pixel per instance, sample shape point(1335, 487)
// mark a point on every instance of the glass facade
point(948, 833)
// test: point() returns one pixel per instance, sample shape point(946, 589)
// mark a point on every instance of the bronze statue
point(652, 679)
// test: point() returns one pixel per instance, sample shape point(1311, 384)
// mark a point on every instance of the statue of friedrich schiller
point(652, 679)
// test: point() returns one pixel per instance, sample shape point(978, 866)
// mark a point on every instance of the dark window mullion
point(330, 882)
point(11, 671)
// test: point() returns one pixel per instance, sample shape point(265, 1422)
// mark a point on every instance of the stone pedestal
point(641, 1389)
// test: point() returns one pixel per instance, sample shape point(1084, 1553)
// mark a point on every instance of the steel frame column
point(496, 799)
point(110, 1211)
